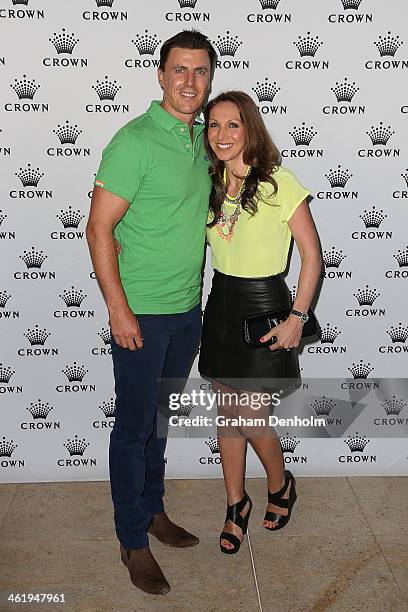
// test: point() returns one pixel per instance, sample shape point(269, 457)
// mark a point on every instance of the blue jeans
point(136, 454)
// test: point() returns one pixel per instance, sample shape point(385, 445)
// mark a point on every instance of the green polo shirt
point(152, 163)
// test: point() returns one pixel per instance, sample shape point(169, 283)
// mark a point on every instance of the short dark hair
point(188, 39)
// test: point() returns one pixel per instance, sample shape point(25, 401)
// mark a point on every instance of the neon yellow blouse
point(259, 245)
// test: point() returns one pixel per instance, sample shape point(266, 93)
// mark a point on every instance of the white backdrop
point(328, 76)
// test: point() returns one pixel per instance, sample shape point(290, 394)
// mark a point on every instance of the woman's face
point(226, 132)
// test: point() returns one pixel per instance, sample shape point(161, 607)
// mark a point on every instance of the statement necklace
point(226, 222)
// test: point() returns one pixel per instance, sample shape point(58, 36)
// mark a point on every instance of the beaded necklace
point(226, 222)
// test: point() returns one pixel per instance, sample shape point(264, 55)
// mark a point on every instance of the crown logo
point(2, 217)
point(388, 45)
point(104, 2)
point(105, 335)
point(76, 446)
point(7, 447)
point(213, 445)
point(338, 177)
point(4, 298)
point(184, 411)
point(106, 89)
point(351, 4)
point(373, 218)
point(288, 443)
point(361, 369)
point(227, 45)
point(37, 336)
point(25, 89)
point(333, 258)
point(108, 408)
point(380, 135)
point(405, 176)
point(269, 4)
point(323, 406)
point(25, 2)
point(40, 410)
point(70, 218)
point(393, 406)
point(366, 296)
point(293, 292)
point(64, 43)
point(308, 45)
point(33, 258)
point(303, 135)
point(266, 91)
point(5, 373)
point(398, 334)
point(146, 44)
point(75, 373)
point(67, 133)
point(72, 297)
point(402, 257)
point(328, 334)
point(187, 3)
point(29, 176)
point(345, 91)
point(356, 443)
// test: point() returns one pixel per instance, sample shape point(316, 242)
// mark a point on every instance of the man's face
point(185, 82)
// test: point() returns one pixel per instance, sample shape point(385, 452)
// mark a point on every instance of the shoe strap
point(232, 539)
point(277, 497)
point(233, 512)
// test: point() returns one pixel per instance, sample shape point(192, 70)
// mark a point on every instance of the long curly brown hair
point(259, 152)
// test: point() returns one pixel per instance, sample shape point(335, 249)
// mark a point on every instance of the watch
point(302, 315)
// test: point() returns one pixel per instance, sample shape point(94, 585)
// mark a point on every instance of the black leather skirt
point(223, 353)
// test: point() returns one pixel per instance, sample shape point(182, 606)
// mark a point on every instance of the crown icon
point(105, 335)
point(405, 176)
point(303, 135)
point(323, 406)
point(40, 410)
point(146, 44)
point(293, 292)
point(393, 406)
point(351, 4)
point(345, 91)
point(75, 373)
point(70, 218)
point(227, 45)
point(67, 133)
point(402, 257)
point(288, 443)
point(37, 336)
point(266, 91)
point(5, 373)
point(388, 45)
point(7, 447)
point(213, 445)
point(29, 176)
point(64, 43)
point(76, 446)
point(356, 443)
point(25, 2)
point(361, 369)
point(380, 135)
point(2, 217)
point(338, 177)
point(373, 218)
point(398, 334)
point(333, 258)
point(33, 258)
point(308, 45)
point(104, 2)
point(269, 4)
point(328, 334)
point(72, 297)
point(4, 298)
point(106, 89)
point(366, 296)
point(187, 3)
point(25, 89)
point(184, 411)
point(108, 408)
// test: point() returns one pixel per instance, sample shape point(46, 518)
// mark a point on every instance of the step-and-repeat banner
point(329, 78)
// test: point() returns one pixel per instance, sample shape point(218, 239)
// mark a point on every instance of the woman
point(256, 206)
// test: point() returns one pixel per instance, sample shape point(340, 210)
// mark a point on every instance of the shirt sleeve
point(123, 165)
point(291, 193)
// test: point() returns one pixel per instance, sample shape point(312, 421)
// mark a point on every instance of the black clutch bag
point(256, 326)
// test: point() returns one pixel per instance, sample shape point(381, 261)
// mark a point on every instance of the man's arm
point(107, 210)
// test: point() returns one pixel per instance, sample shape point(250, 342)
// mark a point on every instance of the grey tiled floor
point(345, 549)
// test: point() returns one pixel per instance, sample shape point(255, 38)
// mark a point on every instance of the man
point(146, 234)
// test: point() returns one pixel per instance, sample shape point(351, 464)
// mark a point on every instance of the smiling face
point(226, 132)
point(185, 82)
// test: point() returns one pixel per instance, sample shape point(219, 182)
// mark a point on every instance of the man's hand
point(125, 329)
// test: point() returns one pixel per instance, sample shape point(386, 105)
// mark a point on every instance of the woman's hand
point(288, 334)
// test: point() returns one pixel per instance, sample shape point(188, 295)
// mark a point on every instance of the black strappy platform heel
point(233, 515)
point(278, 500)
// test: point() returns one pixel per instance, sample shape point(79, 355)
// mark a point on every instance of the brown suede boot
point(144, 571)
point(169, 533)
